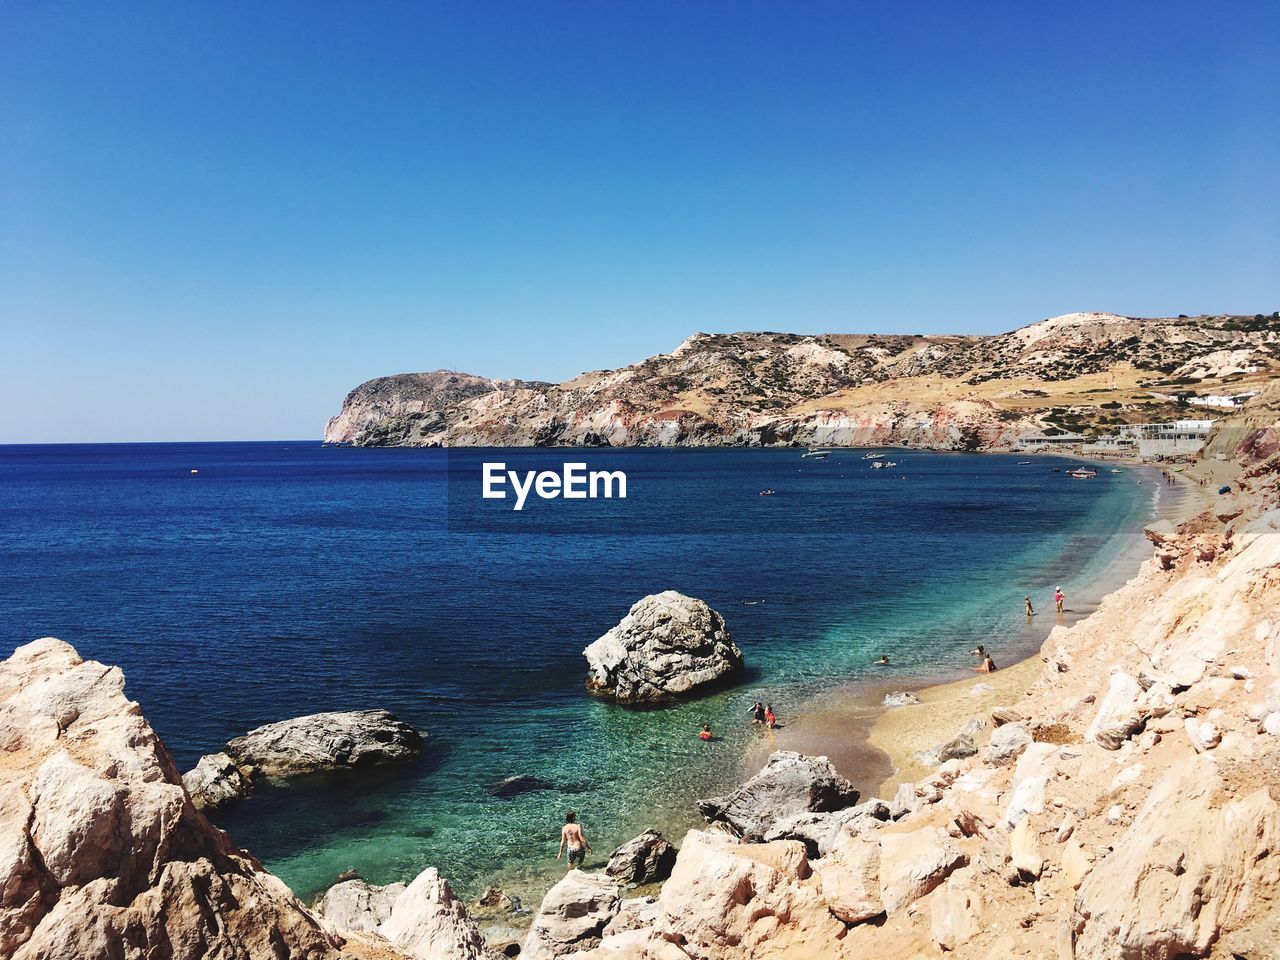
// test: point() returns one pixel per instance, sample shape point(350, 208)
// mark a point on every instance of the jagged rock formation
point(647, 858)
point(789, 784)
point(347, 740)
point(667, 646)
point(778, 388)
point(573, 916)
point(102, 854)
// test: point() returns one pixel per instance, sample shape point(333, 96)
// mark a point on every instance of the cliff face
point(779, 388)
point(101, 852)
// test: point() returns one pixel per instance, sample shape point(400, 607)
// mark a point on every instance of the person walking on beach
point(770, 719)
point(1058, 597)
point(572, 837)
point(1030, 611)
point(757, 712)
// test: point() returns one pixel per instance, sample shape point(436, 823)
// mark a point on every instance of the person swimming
point(705, 733)
point(987, 665)
point(882, 662)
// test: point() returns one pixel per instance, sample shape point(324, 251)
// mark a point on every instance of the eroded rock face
point(1184, 869)
point(913, 863)
point(357, 905)
point(428, 922)
point(727, 900)
point(789, 784)
point(102, 853)
point(647, 858)
point(573, 916)
point(668, 646)
point(326, 741)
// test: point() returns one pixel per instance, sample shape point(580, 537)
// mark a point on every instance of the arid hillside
point(1083, 372)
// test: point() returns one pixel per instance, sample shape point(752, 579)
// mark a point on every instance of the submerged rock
point(667, 646)
point(790, 783)
point(326, 741)
point(647, 858)
point(518, 785)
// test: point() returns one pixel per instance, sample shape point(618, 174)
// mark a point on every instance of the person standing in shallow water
point(1058, 598)
point(1030, 612)
point(572, 837)
point(757, 712)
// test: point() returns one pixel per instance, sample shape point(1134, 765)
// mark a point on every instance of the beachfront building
point(1033, 442)
point(1177, 438)
point(1232, 401)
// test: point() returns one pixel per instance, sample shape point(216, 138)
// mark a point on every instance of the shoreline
point(875, 746)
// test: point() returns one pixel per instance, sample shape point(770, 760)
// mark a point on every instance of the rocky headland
point(1080, 372)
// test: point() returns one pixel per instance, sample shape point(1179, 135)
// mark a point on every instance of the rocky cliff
point(1080, 371)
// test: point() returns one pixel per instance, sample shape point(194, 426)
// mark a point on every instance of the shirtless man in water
point(571, 835)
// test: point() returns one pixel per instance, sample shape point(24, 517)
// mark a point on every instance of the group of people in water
point(1058, 599)
point(574, 841)
point(762, 715)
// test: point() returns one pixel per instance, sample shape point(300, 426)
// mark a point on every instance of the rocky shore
point(1126, 803)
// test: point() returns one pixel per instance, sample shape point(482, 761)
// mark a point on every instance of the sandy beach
point(876, 746)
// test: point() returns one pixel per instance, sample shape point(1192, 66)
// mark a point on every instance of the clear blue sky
point(216, 218)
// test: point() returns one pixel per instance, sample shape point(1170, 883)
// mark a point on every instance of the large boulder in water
point(666, 647)
point(326, 741)
point(789, 784)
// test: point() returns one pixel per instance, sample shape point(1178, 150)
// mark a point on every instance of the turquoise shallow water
point(289, 578)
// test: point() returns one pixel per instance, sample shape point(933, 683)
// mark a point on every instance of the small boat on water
point(1024, 463)
point(1057, 470)
point(1116, 470)
point(1082, 473)
point(768, 493)
point(816, 453)
point(874, 456)
point(879, 465)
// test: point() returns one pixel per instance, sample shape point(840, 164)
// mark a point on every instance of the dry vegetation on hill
point(1082, 372)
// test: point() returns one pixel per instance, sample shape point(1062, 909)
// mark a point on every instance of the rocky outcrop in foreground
point(350, 740)
point(102, 853)
point(1128, 806)
point(424, 919)
point(668, 646)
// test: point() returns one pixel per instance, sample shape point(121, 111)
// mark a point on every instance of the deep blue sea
point(289, 578)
